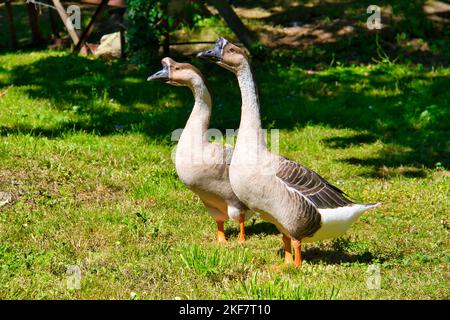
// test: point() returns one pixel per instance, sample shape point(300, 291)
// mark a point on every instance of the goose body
point(204, 167)
point(302, 204)
point(201, 165)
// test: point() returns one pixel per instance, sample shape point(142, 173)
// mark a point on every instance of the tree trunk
point(233, 21)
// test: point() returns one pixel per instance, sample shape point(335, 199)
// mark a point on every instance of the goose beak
point(161, 75)
point(214, 54)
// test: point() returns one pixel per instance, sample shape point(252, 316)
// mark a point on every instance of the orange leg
point(298, 253)
point(242, 228)
point(287, 249)
point(221, 232)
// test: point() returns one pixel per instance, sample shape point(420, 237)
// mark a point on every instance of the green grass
point(85, 149)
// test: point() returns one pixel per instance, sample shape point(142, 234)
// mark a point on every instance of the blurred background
point(322, 31)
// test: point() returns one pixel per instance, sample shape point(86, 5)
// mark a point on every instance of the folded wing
point(311, 185)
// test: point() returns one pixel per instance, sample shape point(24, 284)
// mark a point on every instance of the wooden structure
point(12, 28)
point(78, 38)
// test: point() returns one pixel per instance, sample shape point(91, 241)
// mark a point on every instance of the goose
point(302, 205)
point(201, 165)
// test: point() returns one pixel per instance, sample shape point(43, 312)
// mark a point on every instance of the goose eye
point(177, 68)
point(232, 50)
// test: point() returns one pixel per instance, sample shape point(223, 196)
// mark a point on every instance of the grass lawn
point(85, 150)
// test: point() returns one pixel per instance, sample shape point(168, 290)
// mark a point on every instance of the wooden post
point(122, 42)
point(90, 26)
point(33, 17)
point(53, 21)
point(65, 19)
point(12, 27)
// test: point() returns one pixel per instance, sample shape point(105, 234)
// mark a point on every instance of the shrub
point(151, 22)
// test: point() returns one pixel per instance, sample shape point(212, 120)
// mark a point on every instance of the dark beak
point(214, 54)
point(161, 75)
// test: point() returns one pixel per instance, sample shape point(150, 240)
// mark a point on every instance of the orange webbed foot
point(298, 253)
point(287, 250)
point(241, 228)
point(221, 233)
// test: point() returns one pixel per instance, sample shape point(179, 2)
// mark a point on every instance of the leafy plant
point(152, 21)
point(382, 55)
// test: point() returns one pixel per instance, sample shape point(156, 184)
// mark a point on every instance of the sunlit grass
point(85, 149)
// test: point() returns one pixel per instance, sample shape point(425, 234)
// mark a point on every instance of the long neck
point(197, 124)
point(250, 129)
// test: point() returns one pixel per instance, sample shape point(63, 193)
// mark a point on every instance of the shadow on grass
point(400, 106)
point(388, 167)
point(336, 29)
point(254, 228)
point(348, 142)
point(103, 99)
point(335, 256)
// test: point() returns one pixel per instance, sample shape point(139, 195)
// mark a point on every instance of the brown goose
point(302, 204)
point(201, 165)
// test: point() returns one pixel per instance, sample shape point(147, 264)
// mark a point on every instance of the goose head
point(177, 74)
point(225, 54)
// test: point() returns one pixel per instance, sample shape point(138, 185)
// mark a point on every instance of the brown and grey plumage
point(320, 192)
point(201, 165)
point(302, 204)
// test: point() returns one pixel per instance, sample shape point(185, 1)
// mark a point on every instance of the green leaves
point(151, 21)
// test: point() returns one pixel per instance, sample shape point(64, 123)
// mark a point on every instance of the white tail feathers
point(335, 222)
point(372, 205)
point(360, 208)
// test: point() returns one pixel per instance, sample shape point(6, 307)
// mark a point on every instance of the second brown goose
point(302, 204)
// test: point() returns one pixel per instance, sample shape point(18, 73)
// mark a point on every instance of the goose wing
point(311, 185)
